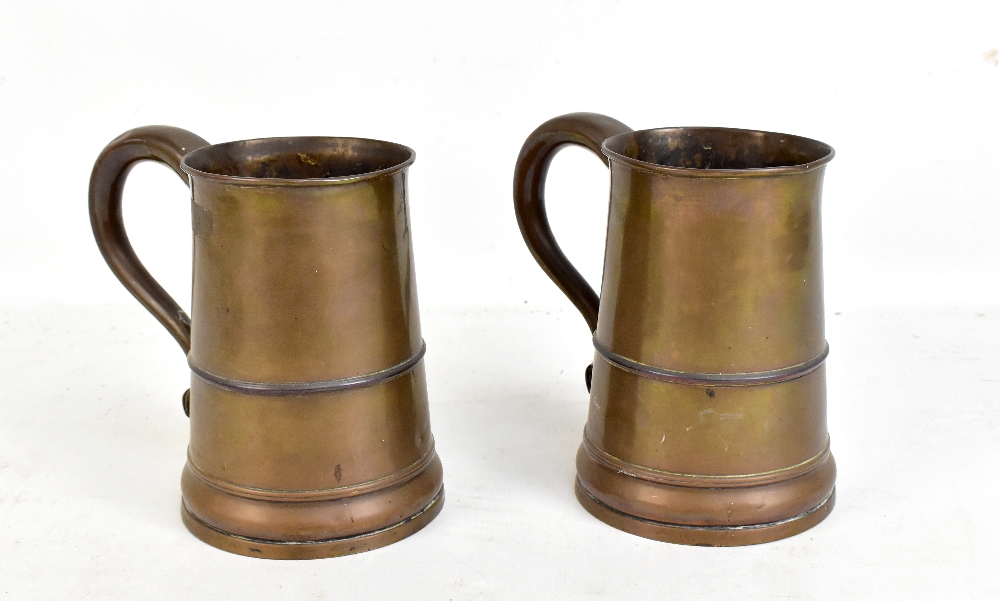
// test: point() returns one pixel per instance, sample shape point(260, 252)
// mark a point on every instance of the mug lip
point(717, 173)
point(244, 180)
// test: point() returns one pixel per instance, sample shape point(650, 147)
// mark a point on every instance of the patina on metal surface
point(310, 433)
point(707, 422)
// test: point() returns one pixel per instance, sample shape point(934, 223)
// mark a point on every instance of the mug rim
point(674, 171)
point(290, 143)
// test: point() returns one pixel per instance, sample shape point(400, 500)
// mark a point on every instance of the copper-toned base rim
point(705, 536)
point(336, 547)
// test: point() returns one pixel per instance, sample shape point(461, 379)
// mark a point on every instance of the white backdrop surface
point(91, 434)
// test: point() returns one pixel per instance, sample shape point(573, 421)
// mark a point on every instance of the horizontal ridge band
point(720, 379)
point(311, 496)
point(302, 388)
point(620, 466)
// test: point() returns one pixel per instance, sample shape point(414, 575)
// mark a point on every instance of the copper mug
point(707, 420)
point(310, 434)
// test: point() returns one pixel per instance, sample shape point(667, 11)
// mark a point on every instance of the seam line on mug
point(712, 379)
point(704, 480)
point(307, 496)
point(303, 388)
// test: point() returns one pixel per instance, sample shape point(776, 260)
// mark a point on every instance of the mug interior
point(716, 148)
point(296, 159)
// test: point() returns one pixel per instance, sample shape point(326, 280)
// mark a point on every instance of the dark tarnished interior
point(717, 148)
point(305, 158)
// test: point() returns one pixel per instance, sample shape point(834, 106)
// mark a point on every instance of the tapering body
point(707, 420)
point(310, 433)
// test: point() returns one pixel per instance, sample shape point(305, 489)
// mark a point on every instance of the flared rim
point(797, 154)
point(348, 160)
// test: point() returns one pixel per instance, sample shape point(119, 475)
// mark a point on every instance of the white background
point(91, 433)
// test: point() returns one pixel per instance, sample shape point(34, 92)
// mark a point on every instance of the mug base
point(705, 536)
point(336, 547)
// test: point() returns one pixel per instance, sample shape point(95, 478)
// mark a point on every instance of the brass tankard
point(310, 434)
point(707, 420)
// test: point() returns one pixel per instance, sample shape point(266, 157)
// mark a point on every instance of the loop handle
point(589, 130)
point(158, 143)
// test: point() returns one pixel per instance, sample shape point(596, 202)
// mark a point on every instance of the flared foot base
point(270, 549)
point(705, 536)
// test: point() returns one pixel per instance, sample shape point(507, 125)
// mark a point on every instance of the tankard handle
point(583, 129)
point(107, 181)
